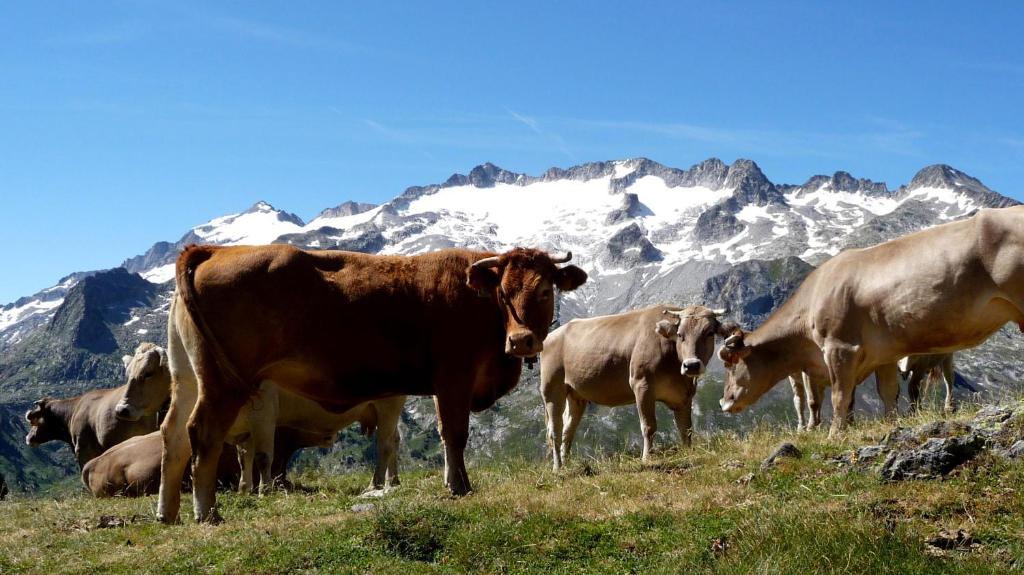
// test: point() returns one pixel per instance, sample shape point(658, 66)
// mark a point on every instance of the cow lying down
point(132, 468)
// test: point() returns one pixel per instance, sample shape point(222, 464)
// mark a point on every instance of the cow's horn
point(720, 311)
point(491, 262)
point(677, 313)
point(734, 341)
point(563, 259)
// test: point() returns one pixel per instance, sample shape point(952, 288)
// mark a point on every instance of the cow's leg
point(887, 381)
point(385, 473)
point(575, 407)
point(815, 390)
point(453, 409)
point(799, 400)
point(174, 431)
point(645, 407)
point(214, 414)
point(554, 393)
point(245, 451)
point(839, 362)
point(913, 389)
point(263, 455)
point(684, 413)
point(950, 377)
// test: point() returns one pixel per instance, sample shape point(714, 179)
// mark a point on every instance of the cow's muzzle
point(523, 343)
point(693, 367)
point(125, 412)
point(728, 405)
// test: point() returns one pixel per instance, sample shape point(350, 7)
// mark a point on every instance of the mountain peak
point(751, 185)
point(842, 181)
point(262, 207)
point(348, 208)
point(947, 177)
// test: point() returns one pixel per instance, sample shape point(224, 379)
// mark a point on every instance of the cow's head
point(45, 425)
point(693, 330)
point(148, 383)
point(744, 380)
point(523, 282)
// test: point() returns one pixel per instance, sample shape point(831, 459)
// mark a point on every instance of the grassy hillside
point(707, 509)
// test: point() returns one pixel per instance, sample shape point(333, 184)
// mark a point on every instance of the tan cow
point(132, 468)
point(642, 356)
point(263, 418)
point(343, 328)
point(88, 422)
point(935, 291)
point(273, 408)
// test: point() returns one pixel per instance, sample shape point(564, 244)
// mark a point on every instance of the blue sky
point(125, 123)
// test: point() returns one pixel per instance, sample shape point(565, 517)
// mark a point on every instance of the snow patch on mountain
point(9, 317)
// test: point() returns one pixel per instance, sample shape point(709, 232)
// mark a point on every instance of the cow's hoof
point(211, 517)
point(167, 519)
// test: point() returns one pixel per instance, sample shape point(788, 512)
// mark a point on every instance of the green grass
point(684, 512)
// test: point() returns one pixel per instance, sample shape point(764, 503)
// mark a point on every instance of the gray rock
point(934, 458)
point(363, 507)
point(1015, 451)
point(785, 450)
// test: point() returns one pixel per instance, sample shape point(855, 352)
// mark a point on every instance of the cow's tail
point(189, 260)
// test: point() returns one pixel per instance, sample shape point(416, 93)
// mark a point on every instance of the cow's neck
point(784, 345)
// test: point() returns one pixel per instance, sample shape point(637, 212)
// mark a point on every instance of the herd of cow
point(271, 349)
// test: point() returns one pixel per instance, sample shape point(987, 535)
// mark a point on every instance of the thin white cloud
point(535, 126)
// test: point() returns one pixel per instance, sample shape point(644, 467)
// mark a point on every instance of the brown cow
point(88, 422)
point(641, 356)
point(344, 328)
point(935, 291)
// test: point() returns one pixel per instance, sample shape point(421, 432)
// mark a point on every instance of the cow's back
point(129, 468)
point(597, 353)
point(341, 325)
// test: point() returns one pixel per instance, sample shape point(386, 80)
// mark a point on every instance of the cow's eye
point(544, 294)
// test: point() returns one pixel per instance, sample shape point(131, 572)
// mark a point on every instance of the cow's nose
point(123, 411)
point(693, 366)
point(523, 344)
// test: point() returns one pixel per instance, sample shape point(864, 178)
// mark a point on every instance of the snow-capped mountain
point(631, 223)
point(645, 232)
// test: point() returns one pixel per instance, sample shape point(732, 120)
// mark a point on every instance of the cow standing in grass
point(935, 291)
point(343, 328)
point(639, 357)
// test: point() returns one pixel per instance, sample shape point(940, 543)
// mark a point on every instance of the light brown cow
point(254, 430)
point(640, 357)
point(272, 408)
point(344, 328)
point(148, 385)
point(132, 468)
point(88, 422)
point(935, 291)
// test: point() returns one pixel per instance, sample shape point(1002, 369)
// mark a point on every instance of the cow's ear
point(665, 329)
point(482, 278)
point(727, 328)
point(570, 278)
